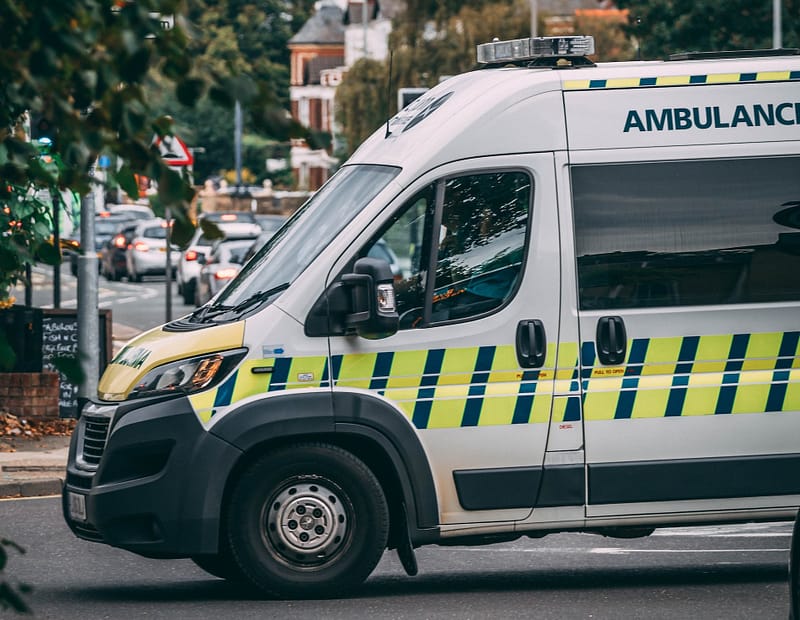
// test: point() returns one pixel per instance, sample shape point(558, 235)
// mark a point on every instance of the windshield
point(306, 234)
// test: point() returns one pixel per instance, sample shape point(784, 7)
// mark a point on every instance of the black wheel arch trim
point(288, 414)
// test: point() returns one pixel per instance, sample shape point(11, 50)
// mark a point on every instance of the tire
point(307, 521)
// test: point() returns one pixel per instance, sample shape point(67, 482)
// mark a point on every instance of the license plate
point(77, 506)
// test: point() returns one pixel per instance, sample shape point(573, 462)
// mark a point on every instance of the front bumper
point(149, 477)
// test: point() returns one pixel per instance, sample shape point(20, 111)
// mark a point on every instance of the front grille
point(95, 434)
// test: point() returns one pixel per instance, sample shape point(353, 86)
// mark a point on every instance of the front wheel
point(309, 520)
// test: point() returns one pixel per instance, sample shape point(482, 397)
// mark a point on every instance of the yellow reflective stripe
point(650, 403)
point(672, 80)
point(700, 401)
point(446, 413)
point(540, 413)
point(505, 368)
point(773, 76)
point(791, 401)
point(307, 372)
point(600, 405)
point(576, 84)
point(603, 372)
point(458, 366)
point(751, 398)
point(407, 368)
point(722, 78)
point(203, 404)
point(662, 355)
point(356, 370)
point(497, 410)
point(712, 354)
point(622, 82)
point(248, 383)
point(764, 345)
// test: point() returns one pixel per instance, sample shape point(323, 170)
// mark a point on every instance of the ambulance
point(548, 296)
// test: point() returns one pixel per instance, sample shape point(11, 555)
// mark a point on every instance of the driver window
point(484, 224)
point(478, 247)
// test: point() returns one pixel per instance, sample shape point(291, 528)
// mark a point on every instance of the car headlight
point(188, 375)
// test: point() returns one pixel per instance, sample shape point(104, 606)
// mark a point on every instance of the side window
point(687, 233)
point(472, 229)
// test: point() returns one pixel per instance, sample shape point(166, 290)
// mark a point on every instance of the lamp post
point(777, 37)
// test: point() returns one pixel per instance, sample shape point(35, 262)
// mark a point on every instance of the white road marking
point(620, 551)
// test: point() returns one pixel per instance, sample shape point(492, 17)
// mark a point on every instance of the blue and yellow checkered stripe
point(683, 80)
point(435, 388)
point(695, 376)
point(462, 387)
point(483, 386)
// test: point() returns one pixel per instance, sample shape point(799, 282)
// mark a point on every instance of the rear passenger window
point(687, 233)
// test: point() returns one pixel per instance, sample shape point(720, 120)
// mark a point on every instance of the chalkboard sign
point(60, 339)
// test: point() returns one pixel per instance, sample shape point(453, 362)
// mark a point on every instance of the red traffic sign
point(174, 151)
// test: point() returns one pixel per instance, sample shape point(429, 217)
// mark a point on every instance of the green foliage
point(244, 46)
point(361, 100)
point(663, 27)
point(83, 66)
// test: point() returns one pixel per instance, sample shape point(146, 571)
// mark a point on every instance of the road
point(730, 572)
point(141, 305)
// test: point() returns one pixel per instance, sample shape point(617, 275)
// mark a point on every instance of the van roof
point(486, 112)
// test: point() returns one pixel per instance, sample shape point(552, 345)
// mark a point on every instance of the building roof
point(324, 27)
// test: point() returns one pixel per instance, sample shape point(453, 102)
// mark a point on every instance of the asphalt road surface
point(137, 304)
point(726, 572)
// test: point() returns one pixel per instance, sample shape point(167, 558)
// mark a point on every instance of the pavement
point(37, 466)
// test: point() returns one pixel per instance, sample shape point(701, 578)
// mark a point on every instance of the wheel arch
point(358, 423)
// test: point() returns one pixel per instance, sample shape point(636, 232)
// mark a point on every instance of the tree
point(245, 38)
point(420, 61)
point(663, 27)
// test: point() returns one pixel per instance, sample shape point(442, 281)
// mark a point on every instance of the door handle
point(531, 343)
point(611, 340)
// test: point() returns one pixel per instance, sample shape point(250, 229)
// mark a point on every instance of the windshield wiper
point(212, 310)
point(209, 311)
point(259, 297)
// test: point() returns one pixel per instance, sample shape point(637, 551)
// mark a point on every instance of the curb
point(31, 488)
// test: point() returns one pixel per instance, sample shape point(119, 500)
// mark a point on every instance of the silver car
point(222, 265)
point(147, 252)
point(234, 225)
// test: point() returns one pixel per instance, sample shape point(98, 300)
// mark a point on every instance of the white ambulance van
point(547, 296)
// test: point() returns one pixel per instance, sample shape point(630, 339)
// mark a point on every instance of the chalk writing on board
point(60, 339)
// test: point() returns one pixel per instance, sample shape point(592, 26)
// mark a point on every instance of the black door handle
point(531, 343)
point(611, 340)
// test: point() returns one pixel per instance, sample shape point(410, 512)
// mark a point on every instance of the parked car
point(131, 211)
point(113, 254)
point(233, 224)
point(147, 252)
point(223, 263)
point(105, 226)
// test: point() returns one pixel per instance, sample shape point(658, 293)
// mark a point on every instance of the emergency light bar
point(534, 48)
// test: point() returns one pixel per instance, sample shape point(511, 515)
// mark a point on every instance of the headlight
point(188, 375)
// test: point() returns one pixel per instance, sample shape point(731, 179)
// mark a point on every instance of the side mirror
point(373, 311)
point(201, 259)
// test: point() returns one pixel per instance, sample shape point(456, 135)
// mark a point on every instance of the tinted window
point(688, 233)
point(474, 235)
point(155, 232)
